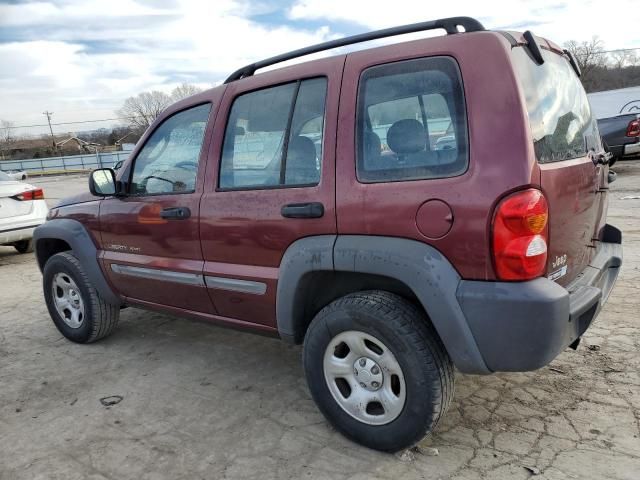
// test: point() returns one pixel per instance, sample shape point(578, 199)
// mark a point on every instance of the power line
point(606, 51)
point(68, 123)
point(620, 50)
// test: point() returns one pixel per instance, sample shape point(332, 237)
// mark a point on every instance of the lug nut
point(363, 385)
point(375, 370)
point(363, 362)
point(375, 384)
point(355, 371)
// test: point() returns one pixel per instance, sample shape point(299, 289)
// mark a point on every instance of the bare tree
point(623, 58)
point(591, 57)
point(144, 108)
point(6, 134)
point(183, 91)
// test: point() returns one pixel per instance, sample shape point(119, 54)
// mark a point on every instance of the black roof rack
point(449, 24)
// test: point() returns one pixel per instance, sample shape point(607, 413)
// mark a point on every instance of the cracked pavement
point(200, 401)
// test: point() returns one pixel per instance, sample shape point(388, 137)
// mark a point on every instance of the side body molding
point(419, 266)
point(74, 233)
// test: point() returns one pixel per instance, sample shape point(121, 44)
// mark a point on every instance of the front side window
point(411, 121)
point(168, 162)
point(274, 137)
point(562, 124)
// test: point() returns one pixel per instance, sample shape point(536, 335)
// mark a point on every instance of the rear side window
point(274, 137)
point(411, 121)
point(560, 117)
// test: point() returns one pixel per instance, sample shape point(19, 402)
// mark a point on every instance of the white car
point(17, 174)
point(22, 209)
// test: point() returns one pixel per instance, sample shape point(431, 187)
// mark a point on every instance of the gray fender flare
point(304, 256)
point(421, 267)
point(81, 243)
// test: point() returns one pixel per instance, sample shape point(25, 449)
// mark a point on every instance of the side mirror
point(102, 182)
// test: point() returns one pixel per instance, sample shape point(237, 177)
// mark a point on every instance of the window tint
point(274, 137)
point(560, 117)
point(168, 162)
point(411, 121)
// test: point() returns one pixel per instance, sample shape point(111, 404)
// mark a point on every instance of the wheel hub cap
point(67, 300)
point(364, 378)
point(368, 373)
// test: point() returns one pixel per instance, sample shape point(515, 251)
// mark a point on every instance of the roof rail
point(449, 24)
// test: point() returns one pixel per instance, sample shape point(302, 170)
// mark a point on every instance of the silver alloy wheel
point(67, 299)
point(364, 377)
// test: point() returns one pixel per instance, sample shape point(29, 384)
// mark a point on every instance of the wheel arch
point(318, 270)
point(59, 235)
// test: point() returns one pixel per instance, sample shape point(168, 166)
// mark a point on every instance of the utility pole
point(53, 139)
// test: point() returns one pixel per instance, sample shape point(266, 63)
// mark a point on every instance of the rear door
point(566, 142)
point(150, 236)
point(272, 182)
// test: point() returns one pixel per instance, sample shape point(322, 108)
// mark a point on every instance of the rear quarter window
point(562, 124)
point(411, 121)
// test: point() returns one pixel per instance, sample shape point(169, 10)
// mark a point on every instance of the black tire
point(408, 334)
point(24, 246)
point(100, 317)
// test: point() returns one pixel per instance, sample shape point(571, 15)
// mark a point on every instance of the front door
point(150, 235)
point(272, 182)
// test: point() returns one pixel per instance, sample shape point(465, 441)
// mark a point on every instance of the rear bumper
point(15, 235)
point(632, 149)
point(523, 326)
point(14, 229)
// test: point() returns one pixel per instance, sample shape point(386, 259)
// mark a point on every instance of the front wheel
point(377, 370)
point(75, 306)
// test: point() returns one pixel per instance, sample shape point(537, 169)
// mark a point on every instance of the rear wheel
point(24, 246)
point(377, 370)
point(75, 306)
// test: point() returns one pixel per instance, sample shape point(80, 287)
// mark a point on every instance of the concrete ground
point(200, 401)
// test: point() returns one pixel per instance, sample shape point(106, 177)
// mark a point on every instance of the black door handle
point(175, 213)
point(303, 210)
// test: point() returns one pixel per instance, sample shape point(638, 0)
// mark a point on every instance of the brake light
point(633, 129)
point(520, 236)
point(35, 194)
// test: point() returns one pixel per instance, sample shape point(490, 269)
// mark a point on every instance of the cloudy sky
point(82, 58)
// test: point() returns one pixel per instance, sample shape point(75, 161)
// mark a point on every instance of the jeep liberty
point(399, 211)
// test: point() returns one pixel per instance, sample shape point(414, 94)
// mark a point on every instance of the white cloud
point(616, 22)
point(138, 48)
point(81, 59)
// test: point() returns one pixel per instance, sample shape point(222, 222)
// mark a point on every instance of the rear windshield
point(562, 124)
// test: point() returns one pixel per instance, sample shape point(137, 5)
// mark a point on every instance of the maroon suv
point(399, 210)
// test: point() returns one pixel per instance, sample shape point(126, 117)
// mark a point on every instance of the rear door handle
point(175, 213)
point(303, 210)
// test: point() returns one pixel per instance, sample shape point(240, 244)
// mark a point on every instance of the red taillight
point(520, 235)
point(633, 129)
point(36, 194)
